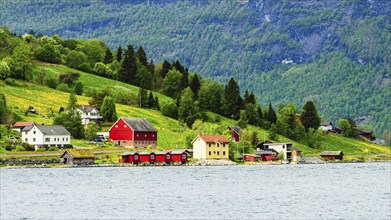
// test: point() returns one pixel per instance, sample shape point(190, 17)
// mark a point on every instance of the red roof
point(23, 124)
point(214, 138)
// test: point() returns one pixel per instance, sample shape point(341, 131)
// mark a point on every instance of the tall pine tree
point(310, 117)
point(119, 54)
point(128, 66)
point(271, 115)
point(108, 56)
point(108, 111)
point(195, 85)
point(233, 99)
point(142, 56)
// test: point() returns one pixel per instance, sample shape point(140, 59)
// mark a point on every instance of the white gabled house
point(89, 114)
point(284, 148)
point(46, 136)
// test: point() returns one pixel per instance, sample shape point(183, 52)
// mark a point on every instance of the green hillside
point(171, 134)
point(336, 53)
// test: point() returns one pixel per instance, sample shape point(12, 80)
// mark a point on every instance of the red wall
point(248, 158)
point(235, 136)
point(120, 132)
point(178, 157)
point(147, 136)
point(144, 158)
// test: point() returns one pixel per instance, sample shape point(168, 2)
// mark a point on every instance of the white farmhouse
point(326, 126)
point(46, 136)
point(284, 148)
point(89, 114)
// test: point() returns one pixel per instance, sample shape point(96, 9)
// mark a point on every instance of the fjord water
point(323, 191)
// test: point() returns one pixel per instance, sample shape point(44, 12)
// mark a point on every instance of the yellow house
point(210, 147)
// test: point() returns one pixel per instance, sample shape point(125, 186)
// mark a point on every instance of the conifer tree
point(119, 54)
point(142, 57)
point(108, 56)
point(195, 85)
point(166, 66)
point(143, 98)
point(310, 117)
point(108, 111)
point(157, 105)
point(233, 99)
point(151, 100)
point(128, 66)
point(271, 115)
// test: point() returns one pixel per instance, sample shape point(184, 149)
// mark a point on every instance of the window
point(224, 145)
point(218, 153)
point(167, 156)
point(223, 153)
point(210, 153)
point(62, 139)
point(152, 157)
point(125, 126)
point(66, 139)
point(145, 135)
point(116, 126)
point(34, 132)
point(210, 145)
point(218, 144)
point(33, 139)
point(153, 135)
point(137, 135)
point(123, 142)
point(136, 157)
point(26, 140)
point(183, 156)
point(47, 139)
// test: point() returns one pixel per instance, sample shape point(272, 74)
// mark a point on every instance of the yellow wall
point(201, 150)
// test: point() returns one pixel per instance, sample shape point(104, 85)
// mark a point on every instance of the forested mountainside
point(336, 53)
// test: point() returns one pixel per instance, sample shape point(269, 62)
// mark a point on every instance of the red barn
point(136, 132)
point(236, 133)
point(163, 157)
point(178, 156)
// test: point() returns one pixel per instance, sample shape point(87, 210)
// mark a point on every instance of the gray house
point(77, 157)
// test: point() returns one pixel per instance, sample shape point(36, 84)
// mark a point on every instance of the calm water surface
point(326, 191)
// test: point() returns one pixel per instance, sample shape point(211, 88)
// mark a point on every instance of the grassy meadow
point(171, 133)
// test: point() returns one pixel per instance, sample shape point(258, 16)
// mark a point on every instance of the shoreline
point(180, 165)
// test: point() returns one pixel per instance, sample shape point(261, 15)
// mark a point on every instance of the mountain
point(336, 53)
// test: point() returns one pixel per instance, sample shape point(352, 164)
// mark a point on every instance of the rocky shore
point(214, 163)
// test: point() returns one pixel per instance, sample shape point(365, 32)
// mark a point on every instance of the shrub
point(170, 110)
point(28, 147)
point(52, 148)
point(51, 83)
point(68, 77)
point(10, 82)
point(63, 88)
point(19, 148)
point(41, 149)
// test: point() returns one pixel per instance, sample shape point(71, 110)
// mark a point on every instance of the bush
point(63, 88)
point(51, 83)
point(28, 147)
point(41, 149)
point(68, 77)
point(10, 82)
point(170, 110)
point(52, 148)
point(19, 148)
point(79, 88)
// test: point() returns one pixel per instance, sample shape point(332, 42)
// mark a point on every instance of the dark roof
point(326, 123)
point(79, 153)
point(53, 130)
point(27, 128)
point(139, 124)
point(86, 108)
point(331, 153)
point(296, 149)
point(236, 129)
point(264, 152)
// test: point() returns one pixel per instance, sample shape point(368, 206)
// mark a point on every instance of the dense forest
point(336, 53)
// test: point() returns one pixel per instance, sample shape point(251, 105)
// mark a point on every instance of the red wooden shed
point(136, 132)
point(163, 157)
point(236, 133)
point(178, 156)
point(250, 157)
